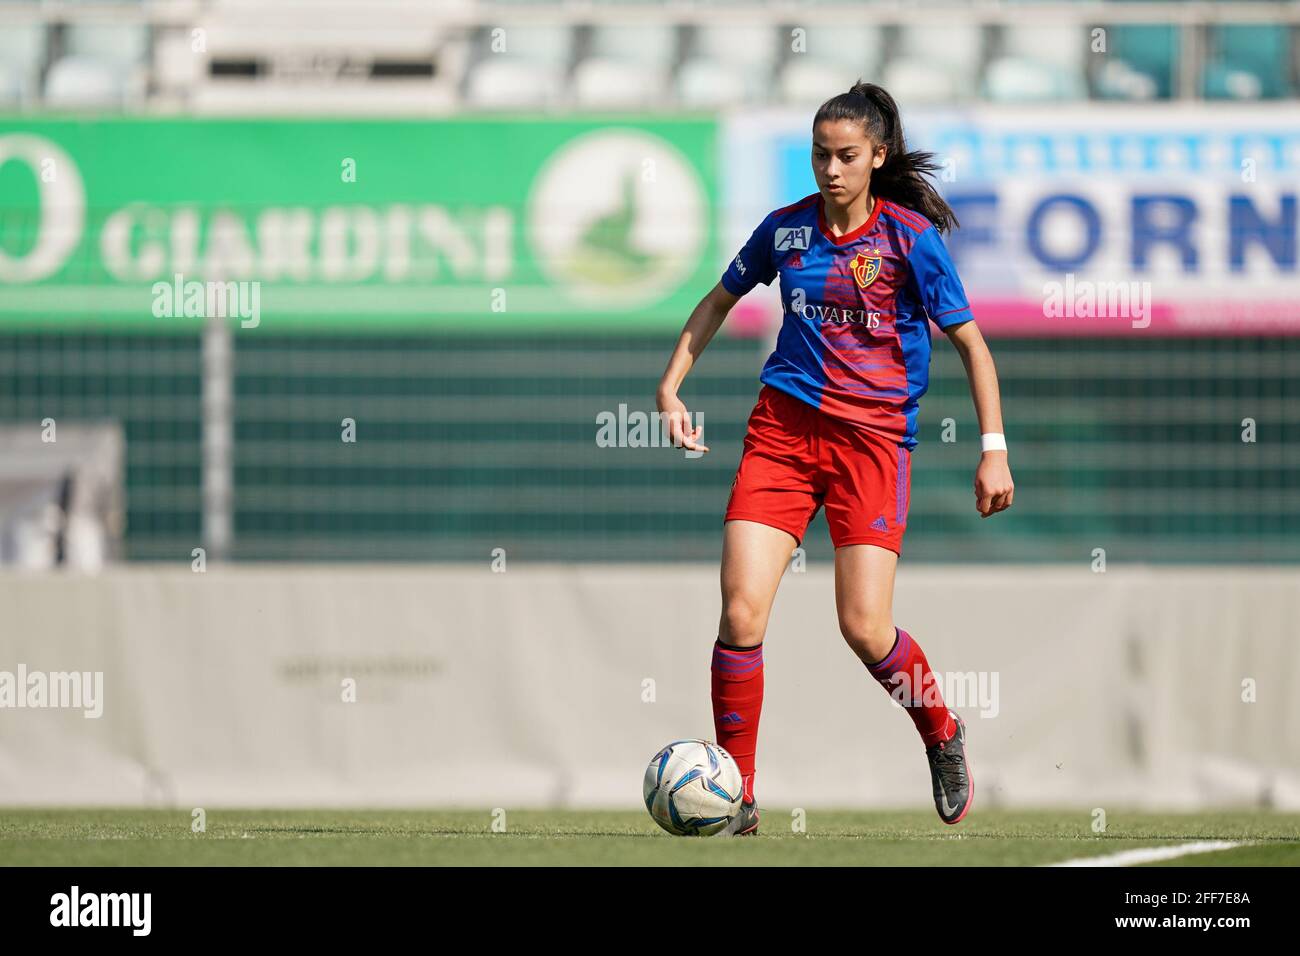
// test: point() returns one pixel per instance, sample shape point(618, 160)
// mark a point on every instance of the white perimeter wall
point(524, 688)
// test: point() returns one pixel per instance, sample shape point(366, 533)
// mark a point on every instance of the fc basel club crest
point(865, 267)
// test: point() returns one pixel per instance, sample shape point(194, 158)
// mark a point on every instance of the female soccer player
point(863, 271)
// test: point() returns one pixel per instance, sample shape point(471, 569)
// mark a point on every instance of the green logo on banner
point(617, 218)
point(466, 225)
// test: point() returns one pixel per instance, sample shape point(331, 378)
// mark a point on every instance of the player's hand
point(679, 425)
point(994, 489)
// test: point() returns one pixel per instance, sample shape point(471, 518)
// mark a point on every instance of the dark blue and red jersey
point(855, 334)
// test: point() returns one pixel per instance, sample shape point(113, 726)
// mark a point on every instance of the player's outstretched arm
point(700, 328)
point(994, 489)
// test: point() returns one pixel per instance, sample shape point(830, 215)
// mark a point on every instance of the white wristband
point(993, 441)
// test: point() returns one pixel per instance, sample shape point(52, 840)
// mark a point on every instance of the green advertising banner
point(462, 225)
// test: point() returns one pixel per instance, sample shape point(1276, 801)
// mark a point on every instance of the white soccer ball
point(692, 788)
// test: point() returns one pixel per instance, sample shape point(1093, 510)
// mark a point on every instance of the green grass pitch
point(106, 837)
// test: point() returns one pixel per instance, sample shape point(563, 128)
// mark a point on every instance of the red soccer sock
point(737, 703)
point(905, 667)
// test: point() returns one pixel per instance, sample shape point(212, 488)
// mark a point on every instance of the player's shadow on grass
point(447, 831)
point(291, 829)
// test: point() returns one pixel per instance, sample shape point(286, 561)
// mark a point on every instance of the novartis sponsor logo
point(829, 313)
point(799, 305)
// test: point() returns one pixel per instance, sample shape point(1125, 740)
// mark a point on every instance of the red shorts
point(797, 459)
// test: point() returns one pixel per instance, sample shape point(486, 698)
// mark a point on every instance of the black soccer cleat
point(954, 791)
point(745, 822)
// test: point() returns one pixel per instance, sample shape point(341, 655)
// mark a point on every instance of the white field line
point(1151, 854)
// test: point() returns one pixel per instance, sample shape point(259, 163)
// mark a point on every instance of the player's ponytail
point(902, 178)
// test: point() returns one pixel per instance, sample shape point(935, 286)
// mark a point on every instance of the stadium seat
point(1247, 61)
point(512, 84)
point(1065, 45)
point(1018, 80)
point(15, 89)
point(22, 53)
point(1222, 82)
point(76, 82)
point(1116, 79)
point(808, 82)
point(702, 84)
point(834, 58)
point(934, 65)
point(103, 67)
point(1143, 49)
point(912, 81)
point(627, 66)
point(727, 65)
point(650, 45)
point(601, 83)
point(853, 47)
point(1038, 63)
point(745, 46)
point(122, 44)
point(545, 45)
point(528, 72)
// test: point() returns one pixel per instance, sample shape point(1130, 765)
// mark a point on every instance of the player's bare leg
point(864, 600)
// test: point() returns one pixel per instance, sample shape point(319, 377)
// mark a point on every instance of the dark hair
point(902, 178)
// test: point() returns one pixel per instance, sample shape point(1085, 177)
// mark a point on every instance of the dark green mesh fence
point(465, 445)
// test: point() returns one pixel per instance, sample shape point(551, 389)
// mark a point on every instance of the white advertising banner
point(1083, 220)
point(553, 685)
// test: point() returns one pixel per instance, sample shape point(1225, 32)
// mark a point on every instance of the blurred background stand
point(61, 502)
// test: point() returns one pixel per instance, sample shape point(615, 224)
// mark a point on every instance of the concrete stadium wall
point(529, 687)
